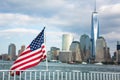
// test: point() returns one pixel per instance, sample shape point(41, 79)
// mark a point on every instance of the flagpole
point(46, 51)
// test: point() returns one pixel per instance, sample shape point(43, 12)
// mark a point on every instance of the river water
point(64, 67)
point(5, 65)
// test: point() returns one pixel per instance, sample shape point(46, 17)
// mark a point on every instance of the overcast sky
point(22, 20)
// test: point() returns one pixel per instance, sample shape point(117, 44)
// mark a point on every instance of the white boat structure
point(55, 61)
point(99, 63)
point(84, 63)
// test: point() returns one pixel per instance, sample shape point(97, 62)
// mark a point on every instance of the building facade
point(94, 32)
point(49, 56)
point(12, 51)
point(118, 45)
point(66, 41)
point(22, 49)
point(101, 49)
point(85, 45)
point(65, 56)
point(116, 57)
point(108, 56)
point(76, 51)
point(55, 53)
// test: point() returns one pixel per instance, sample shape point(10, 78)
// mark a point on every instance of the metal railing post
point(53, 75)
point(30, 75)
point(70, 76)
point(3, 76)
point(49, 76)
point(61, 75)
point(25, 76)
point(40, 75)
point(35, 76)
point(8, 75)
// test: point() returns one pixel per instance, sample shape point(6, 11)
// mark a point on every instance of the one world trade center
point(94, 30)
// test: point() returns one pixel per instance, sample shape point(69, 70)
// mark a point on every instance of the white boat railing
point(59, 75)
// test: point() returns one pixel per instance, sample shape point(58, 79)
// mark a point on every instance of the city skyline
point(21, 21)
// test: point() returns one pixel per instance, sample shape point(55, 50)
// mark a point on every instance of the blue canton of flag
point(38, 41)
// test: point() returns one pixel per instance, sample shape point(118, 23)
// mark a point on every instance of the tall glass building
point(85, 45)
point(94, 31)
point(12, 50)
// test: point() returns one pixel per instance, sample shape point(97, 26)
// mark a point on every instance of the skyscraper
point(12, 51)
point(94, 30)
point(66, 41)
point(117, 53)
point(22, 49)
point(85, 45)
point(101, 50)
point(55, 53)
point(76, 51)
point(118, 45)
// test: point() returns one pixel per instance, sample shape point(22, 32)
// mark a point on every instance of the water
point(5, 65)
point(67, 72)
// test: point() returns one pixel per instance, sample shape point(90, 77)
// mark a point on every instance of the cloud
point(21, 20)
point(110, 10)
point(109, 18)
point(11, 20)
point(45, 8)
point(19, 30)
point(112, 36)
point(18, 33)
point(62, 14)
point(14, 20)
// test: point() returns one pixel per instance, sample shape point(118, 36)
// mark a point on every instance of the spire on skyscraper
point(95, 6)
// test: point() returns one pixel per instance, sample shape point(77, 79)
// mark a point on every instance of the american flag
point(32, 55)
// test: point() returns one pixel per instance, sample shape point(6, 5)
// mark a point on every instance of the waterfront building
point(117, 60)
point(85, 45)
point(22, 49)
point(66, 41)
point(108, 58)
point(94, 30)
point(118, 45)
point(116, 56)
point(76, 51)
point(19, 51)
point(55, 53)
point(12, 51)
point(5, 57)
point(0, 57)
point(65, 56)
point(101, 49)
point(49, 56)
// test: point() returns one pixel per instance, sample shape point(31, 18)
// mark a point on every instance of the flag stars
point(37, 42)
